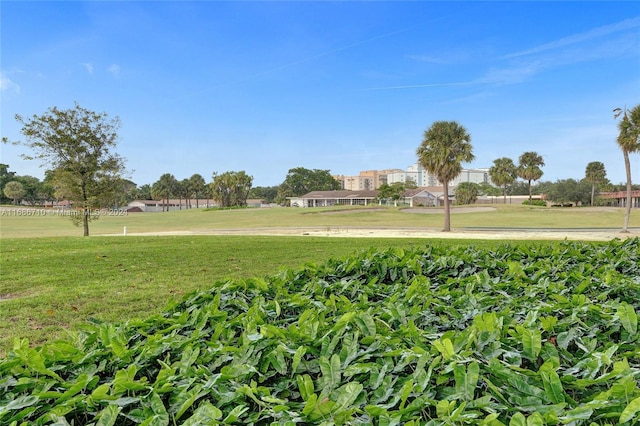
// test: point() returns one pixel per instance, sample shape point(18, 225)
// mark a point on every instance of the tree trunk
point(85, 210)
point(85, 221)
point(593, 192)
point(504, 194)
point(529, 191)
point(447, 211)
point(627, 212)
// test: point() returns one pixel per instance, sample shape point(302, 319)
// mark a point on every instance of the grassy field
point(52, 284)
point(49, 224)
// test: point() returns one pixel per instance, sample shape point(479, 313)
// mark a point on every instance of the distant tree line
point(78, 146)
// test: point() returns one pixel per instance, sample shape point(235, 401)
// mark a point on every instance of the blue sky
point(208, 86)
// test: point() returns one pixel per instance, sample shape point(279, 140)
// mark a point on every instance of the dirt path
point(357, 232)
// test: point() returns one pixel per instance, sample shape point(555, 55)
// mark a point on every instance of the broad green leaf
point(347, 394)
point(518, 419)
point(343, 321)
point(531, 341)
point(206, 414)
point(466, 380)
point(80, 383)
point(276, 357)
point(297, 358)
point(108, 415)
point(189, 356)
point(366, 324)
point(18, 403)
point(406, 390)
point(445, 347)
point(630, 411)
point(185, 399)
point(101, 393)
point(330, 372)
point(552, 386)
point(305, 385)
point(375, 411)
point(491, 420)
point(535, 419)
point(32, 359)
point(578, 413)
point(444, 409)
point(235, 414)
point(310, 404)
point(113, 339)
point(628, 318)
point(125, 381)
point(160, 416)
point(317, 408)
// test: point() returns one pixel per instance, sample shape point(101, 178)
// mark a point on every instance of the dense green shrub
point(540, 203)
point(520, 335)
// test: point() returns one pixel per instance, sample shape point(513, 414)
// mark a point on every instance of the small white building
point(167, 205)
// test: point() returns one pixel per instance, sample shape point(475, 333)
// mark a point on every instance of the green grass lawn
point(52, 225)
point(60, 280)
point(52, 284)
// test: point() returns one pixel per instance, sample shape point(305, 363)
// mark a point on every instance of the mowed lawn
point(50, 224)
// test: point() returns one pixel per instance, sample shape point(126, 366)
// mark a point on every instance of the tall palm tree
point(595, 173)
point(198, 186)
point(445, 146)
point(503, 173)
point(529, 168)
point(164, 188)
point(629, 142)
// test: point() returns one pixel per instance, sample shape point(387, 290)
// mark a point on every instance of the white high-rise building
point(372, 179)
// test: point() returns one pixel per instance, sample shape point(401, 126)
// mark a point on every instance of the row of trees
point(77, 145)
point(504, 172)
point(232, 189)
point(447, 144)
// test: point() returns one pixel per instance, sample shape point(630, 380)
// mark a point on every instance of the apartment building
point(372, 179)
point(366, 181)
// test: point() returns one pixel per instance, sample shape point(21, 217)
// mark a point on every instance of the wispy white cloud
point(514, 74)
point(521, 66)
point(451, 56)
point(418, 86)
point(595, 33)
point(318, 55)
point(88, 66)
point(590, 45)
point(114, 69)
point(6, 84)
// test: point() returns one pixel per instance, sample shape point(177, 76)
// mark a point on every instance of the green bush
point(540, 203)
point(536, 334)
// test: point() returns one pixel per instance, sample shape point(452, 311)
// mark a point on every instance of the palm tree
point(183, 190)
point(14, 190)
point(445, 146)
point(595, 173)
point(466, 192)
point(164, 188)
point(529, 168)
point(629, 142)
point(503, 173)
point(198, 186)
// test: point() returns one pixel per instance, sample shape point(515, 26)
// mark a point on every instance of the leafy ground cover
point(536, 334)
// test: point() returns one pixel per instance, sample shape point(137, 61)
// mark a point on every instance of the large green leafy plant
point(521, 335)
